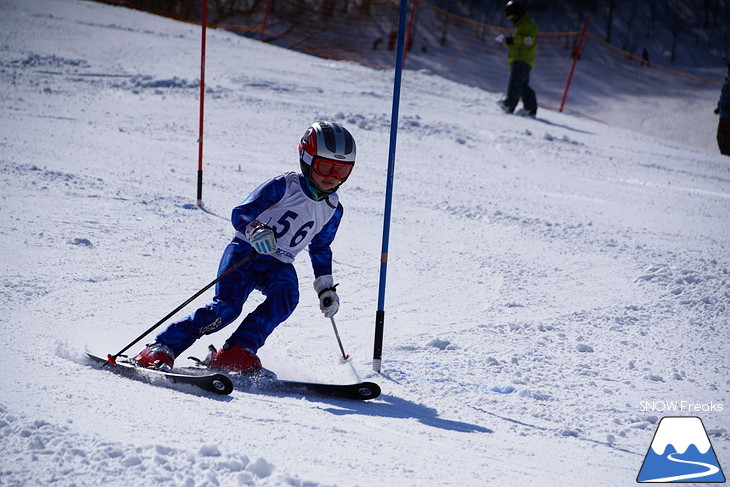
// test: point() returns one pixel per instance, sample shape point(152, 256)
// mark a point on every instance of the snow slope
point(546, 277)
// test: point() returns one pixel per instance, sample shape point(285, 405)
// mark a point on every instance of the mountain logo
point(680, 452)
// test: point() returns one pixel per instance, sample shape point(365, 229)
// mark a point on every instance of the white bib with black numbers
point(296, 218)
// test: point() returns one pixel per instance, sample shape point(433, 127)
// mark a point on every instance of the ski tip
point(368, 390)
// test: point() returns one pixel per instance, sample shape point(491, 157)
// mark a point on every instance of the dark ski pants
point(519, 88)
point(275, 279)
point(723, 136)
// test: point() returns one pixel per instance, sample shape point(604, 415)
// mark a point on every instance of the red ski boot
point(155, 356)
point(236, 358)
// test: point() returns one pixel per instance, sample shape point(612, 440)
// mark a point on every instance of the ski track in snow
point(545, 276)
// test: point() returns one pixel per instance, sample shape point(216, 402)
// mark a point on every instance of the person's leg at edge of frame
point(723, 136)
point(514, 90)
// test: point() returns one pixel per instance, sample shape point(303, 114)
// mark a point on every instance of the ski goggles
point(328, 168)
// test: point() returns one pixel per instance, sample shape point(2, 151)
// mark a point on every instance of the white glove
point(500, 38)
point(329, 302)
point(261, 237)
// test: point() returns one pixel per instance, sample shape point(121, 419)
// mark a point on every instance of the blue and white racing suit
point(284, 203)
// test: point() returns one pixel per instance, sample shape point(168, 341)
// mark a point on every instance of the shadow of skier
point(394, 407)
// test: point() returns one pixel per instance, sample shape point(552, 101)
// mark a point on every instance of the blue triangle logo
point(681, 452)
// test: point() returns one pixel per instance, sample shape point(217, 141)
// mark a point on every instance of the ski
point(220, 383)
point(267, 381)
point(206, 380)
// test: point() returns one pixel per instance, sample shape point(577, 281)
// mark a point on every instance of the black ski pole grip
point(327, 302)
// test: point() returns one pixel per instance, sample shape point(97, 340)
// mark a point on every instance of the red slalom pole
point(266, 20)
point(575, 61)
point(409, 36)
point(202, 103)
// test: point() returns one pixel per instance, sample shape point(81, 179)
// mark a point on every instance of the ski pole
point(111, 359)
point(337, 335)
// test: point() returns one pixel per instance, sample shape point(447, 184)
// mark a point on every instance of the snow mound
point(37, 452)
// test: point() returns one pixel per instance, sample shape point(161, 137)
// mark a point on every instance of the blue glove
point(261, 237)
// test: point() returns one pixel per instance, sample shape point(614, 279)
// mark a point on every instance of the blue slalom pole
point(380, 313)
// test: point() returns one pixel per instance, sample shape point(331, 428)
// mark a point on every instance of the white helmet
point(328, 149)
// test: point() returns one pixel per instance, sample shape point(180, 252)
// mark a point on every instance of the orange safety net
point(465, 50)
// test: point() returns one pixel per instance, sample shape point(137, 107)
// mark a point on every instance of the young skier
point(278, 220)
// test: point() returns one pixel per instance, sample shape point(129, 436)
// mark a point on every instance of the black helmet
point(514, 10)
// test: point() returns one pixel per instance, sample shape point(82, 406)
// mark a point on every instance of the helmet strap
point(315, 192)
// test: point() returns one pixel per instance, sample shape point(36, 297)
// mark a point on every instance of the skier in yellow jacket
point(521, 53)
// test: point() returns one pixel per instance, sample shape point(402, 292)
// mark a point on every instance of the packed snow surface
point(555, 286)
